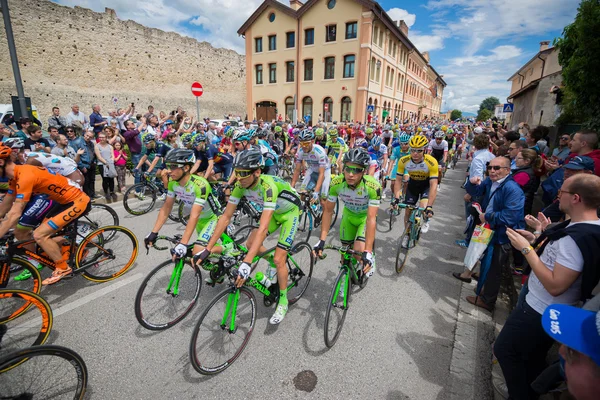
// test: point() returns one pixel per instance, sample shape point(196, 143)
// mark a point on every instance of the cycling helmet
point(418, 141)
point(180, 156)
point(149, 138)
point(228, 131)
point(450, 131)
point(478, 130)
point(360, 142)
point(14, 143)
point(241, 135)
point(419, 129)
point(332, 132)
point(306, 135)
point(334, 123)
point(261, 133)
point(319, 132)
point(251, 132)
point(444, 128)
point(278, 129)
point(439, 135)
point(251, 159)
point(358, 156)
point(333, 127)
point(376, 141)
point(369, 131)
point(4, 151)
point(404, 138)
point(199, 138)
point(187, 139)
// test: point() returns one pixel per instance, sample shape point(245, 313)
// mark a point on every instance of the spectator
point(536, 139)
point(513, 150)
point(25, 123)
point(211, 133)
point(124, 115)
point(88, 161)
point(134, 142)
point(104, 154)
point(53, 132)
point(63, 149)
point(562, 151)
point(153, 127)
point(584, 143)
point(35, 141)
point(113, 135)
point(564, 271)
point(512, 136)
point(96, 120)
point(150, 113)
point(526, 161)
point(481, 158)
point(57, 121)
point(75, 115)
point(120, 158)
point(75, 141)
point(5, 132)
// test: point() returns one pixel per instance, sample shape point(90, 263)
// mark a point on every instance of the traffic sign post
point(508, 107)
point(197, 91)
point(370, 108)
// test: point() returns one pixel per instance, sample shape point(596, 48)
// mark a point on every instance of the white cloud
point(426, 42)
point(500, 53)
point(397, 14)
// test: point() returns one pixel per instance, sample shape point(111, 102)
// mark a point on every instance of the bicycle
point(63, 371)
point(285, 164)
point(140, 198)
point(412, 231)
point(228, 321)
point(350, 274)
point(454, 158)
point(100, 215)
point(311, 213)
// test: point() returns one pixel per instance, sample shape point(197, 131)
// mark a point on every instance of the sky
point(475, 44)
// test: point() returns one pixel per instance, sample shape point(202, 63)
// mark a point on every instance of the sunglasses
point(416, 150)
point(243, 173)
point(565, 138)
point(174, 166)
point(495, 167)
point(353, 170)
point(70, 130)
point(306, 143)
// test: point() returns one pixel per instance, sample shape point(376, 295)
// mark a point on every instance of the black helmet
point(249, 159)
point(306, 135)
point(180, 156)
point(261, 133)
point(358, 156)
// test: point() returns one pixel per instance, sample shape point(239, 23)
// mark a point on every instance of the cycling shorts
point(412, 194)
point(289, 225)
point(35, 211)
point(205, 229)
point(394, 169)
point(223, 169)
point(61, 215)
point(310, 181)
point(352, 228)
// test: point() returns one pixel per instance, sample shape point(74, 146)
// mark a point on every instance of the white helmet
point(478, 130)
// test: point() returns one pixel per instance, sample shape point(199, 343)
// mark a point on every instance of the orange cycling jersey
point(30, 180)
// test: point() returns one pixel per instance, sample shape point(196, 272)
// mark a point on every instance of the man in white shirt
point(565, 272)
point(75, 115)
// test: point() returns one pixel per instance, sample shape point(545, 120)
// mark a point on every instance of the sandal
point(57, 275)
point(462, 243)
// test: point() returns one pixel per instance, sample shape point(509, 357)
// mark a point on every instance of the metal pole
point(13, 57)
point(197, 108)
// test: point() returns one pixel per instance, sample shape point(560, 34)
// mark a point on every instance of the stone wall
point(75, 55)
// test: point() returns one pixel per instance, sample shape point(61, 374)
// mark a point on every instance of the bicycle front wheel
point(223, 331)
point(300, 264)
point(104, 261)
point(158, 306)
point(336, 210)
point(101, 215)
point(337, 308)
point(19, 269)
point(139, 199)
point(43, 372)
point(31, 329)
point(402, 252)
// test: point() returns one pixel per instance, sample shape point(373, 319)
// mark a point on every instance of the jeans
point(521, 349)
point(89, 186)
point(135, 159)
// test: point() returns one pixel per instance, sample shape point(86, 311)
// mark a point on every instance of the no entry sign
point(197, 89)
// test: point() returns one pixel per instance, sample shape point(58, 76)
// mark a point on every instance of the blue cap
point(581, 162)
point(574, 327)
point(168, 122)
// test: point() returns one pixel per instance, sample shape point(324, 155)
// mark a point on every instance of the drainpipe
point(522, 80)
point(543, 65)
point(297, 72)
point(369, 74)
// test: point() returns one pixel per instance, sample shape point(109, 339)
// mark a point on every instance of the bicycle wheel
point(300, 264)
point(392, 219)
point(17, 267)
point(103, 261)
point(139, 199)
point(337, 308)
point(43, 372)
point(174, 214)
point(240, 235)
point(157, 308)
point(336, 210)
point(305, 224)
point(100, 215)
point(402, 253)
point(183, 213)
point(217, 341)
point(31, 329)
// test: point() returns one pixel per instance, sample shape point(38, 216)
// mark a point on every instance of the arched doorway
point(289, 108)
point(346, 113)
point(327, 109)
point(266, 110)
point(307, 109)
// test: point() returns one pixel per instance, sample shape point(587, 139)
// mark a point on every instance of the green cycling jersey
point(197, 190)
point(269, 192)
point(358, 200)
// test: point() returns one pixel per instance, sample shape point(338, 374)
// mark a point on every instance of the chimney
point(426, 56)
point(295, 4)
point(544, 45)
point(403, 27)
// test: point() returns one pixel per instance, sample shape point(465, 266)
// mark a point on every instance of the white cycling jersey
point(57, 164)
point(443, 145)
point(315, 159)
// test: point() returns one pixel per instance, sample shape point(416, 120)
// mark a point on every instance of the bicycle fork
point(173, 288)
point(343, 286)
point(230, 308)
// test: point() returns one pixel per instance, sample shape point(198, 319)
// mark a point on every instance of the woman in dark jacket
point(527, 161)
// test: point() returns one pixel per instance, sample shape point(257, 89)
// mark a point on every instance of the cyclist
point(379, 157)
point(195, 192)
point(318, 172)
point(258, 140)
point(399, 150)
point(24, 182)
point(417, 176)
point(438, 148)
point(281, 208)
point(205, 159)
point(361, 195)
point(320, 137)
point(335, 147)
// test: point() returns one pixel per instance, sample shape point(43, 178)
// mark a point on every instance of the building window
point(259, 74)
point(307, 105)
point(273, 73)
point(331, 4)
point(381, 38)
point(346, 109)
point(329, 67)
point(289, 71)
point(289, 108)
point(308, 70)
point(290, 40)
point(330, 31)
point(271, 17)
point(378, 71)
point(351, 30)
point(375, 34)
point(372, 69)
point(309, 36)
point(258, 45)
point(272, 42)
point(349, 66)
point(327, 109)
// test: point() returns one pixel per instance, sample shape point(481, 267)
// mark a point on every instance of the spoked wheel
point(102, 260)
point(392, 217)
point(336, 210)
point(217, 339)
point(43, 372)
point(241, 234)
point(100, 215)
point(305, 224)
point(30, 329)
point(402, 253)
point(24, 276)
point(300, 264)
point(156, 307)
point(139, 199)
point(183, 213)
point(337, 308)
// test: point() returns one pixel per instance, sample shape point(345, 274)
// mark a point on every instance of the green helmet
point(278, 129)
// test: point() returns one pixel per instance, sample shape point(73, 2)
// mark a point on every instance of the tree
point(489, 104)
point(484, 115)
point(455, 114)
point(579, 57)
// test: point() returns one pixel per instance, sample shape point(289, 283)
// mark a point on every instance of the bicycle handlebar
point(175, 240)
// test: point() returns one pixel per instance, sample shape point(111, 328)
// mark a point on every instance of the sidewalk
point(129, 181)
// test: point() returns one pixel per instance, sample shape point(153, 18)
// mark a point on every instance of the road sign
point(370, 108)
point(326, 107)
point(508, 107)
point(197, 89)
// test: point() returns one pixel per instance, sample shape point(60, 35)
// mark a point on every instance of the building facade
point(335, 60)
point(499, 112)
point(534, 102)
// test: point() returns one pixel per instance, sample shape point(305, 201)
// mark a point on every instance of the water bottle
point(260, 277)
point(271, 274)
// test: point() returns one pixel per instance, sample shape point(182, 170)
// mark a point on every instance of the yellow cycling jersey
point(423, 171)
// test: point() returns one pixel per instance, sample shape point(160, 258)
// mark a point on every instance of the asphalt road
point(396, 342)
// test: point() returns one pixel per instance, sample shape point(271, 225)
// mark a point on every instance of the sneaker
point(279, 314)
point(383, 196)
point(140, 196)
point(57, 275)
point(439, 187)
point(405, 240)
point(162, 197)
point(425, 227)
point(209, 280)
